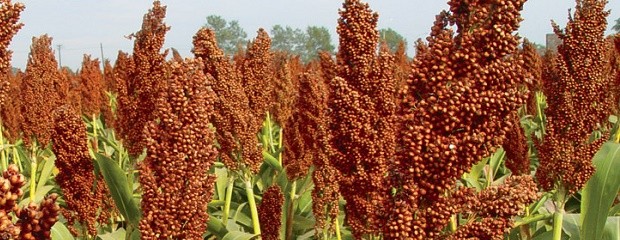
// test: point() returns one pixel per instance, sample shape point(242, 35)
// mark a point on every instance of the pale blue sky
point(81, 25)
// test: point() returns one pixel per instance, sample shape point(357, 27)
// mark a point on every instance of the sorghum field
point(477, 136)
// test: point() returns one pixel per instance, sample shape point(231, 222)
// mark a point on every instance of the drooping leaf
point(237, 235)
point(117, 234)
point(600, 191)
point(60, 232)
point(119, 189)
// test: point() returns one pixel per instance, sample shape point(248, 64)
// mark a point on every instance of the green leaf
point(60, 232)
point(237, 235)
point(117, 234)
point(38, 196)
point(220, 182)
point(48, 166)
point(612, 229)
point(216, 227)
point(272, 161)
point(116, 180)
point(474, 175)
point(570, 225)
point(600, 191)
point(496, 161)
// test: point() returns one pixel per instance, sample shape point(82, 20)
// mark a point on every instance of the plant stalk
point(228, 198)
point(250, 193)
point(453, 223)
point(271, 147)
point(558, 216)
point(290, 212)
point(338, 236)
point(33, 172)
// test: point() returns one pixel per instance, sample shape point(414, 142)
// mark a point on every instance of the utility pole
point(102, 62)
point(59, 56)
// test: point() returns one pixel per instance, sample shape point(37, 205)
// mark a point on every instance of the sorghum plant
point(92, 88)
point(579, 102)
point(311, 125)
point(233, 118)
point(76, 175)
point(33, 221)
point(43, 88)
point(9, 17)
point(517, 149)
point(270, 213)
point(11, 112)
point(174, 175)
point(363, 120)
point(257, 76)
point(463, 86)
point(145, 80)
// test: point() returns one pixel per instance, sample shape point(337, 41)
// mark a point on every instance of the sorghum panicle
point(11, 112)
point(174, 175)
point(257, 76)
point(578, 99)
point(36, 221)
point(311, 125)
point(232, 116)
point(533, 66)
point(463, 86)
point(286, 85)
point(145, 80)
point(270, 213)
point(517, 149)
point(43, 88)
point(91, 87)
point(76, 170)
point(363, 121)
point(9, 17)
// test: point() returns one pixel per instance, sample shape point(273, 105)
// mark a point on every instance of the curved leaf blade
point(116, 180)
point(600, 191)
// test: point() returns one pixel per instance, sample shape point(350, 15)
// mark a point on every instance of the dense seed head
point(362, 118)
point(517, 149)
point(145, 80)
point(11, 111)
point(43, 88)
point(462, 87)
point(36, 221)
point(76, 171)
point(174, 175)
point(9, 17)
point(578, 96)
point(232, 117)
point(91, 87)
point(257, 76)
point(270, 213)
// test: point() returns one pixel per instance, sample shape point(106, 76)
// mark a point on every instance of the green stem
point(453, 223)
point(289, 216)
point(273, 150)
point(558, 216)
point(280, 137)
point(338, 237)
point(33, 171)
point(250, 192)
point(3, 153)
point(228, 198)
point(17, 160)
point(532, 219)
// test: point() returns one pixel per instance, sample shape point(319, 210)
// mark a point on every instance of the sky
point(84, 26)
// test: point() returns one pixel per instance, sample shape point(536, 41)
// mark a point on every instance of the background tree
point(317, 39)
point(391, 38)
point(287, 39)
point(616, 26)
point(305, 44)
point(230, 36)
